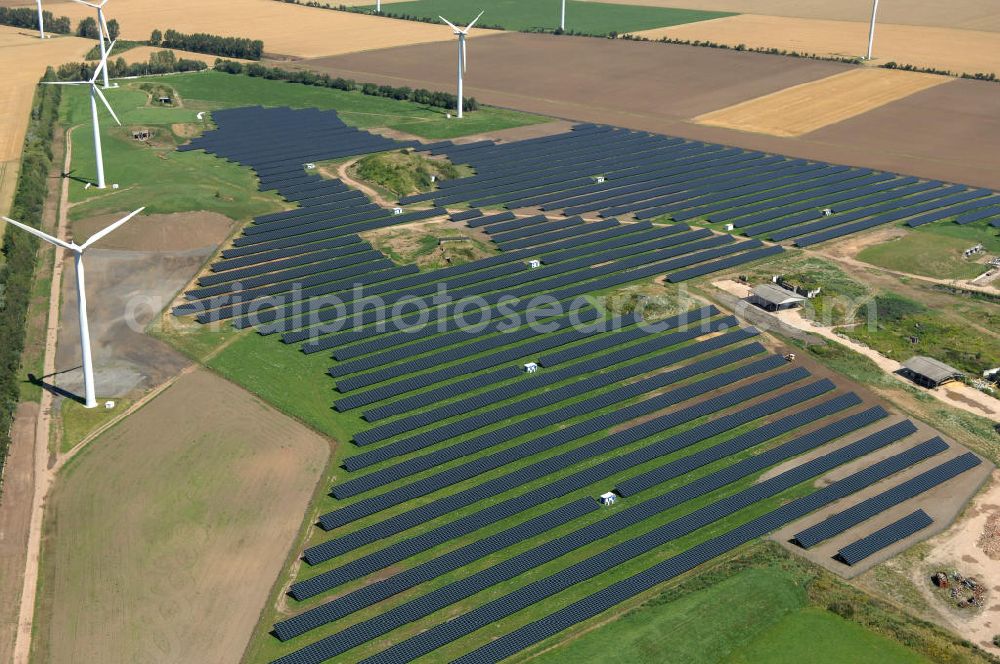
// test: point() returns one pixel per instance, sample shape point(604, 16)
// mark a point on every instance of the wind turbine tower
point(562, 17)
point(90, 396)
point(871, 30)
point(95, 94)
point(41, 21)
point(462, 33)
point(102, 30)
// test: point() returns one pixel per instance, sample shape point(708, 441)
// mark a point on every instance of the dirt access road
point(956, 395)
point(661, 87)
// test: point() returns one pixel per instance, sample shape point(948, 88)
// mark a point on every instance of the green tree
point(113, 29)
point(156, 38)
point(88, 28)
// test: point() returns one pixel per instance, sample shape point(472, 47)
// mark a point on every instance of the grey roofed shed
point(774, 298)
point(929, 372)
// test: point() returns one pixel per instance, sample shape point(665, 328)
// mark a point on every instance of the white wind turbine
point(871, 30)
point(102, 30)
point(562, 17)
point(95, 93)
point(462, 34)
point(41, 21)
point(81, 294)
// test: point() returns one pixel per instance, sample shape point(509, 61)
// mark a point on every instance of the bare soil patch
point(807, 107)
point(968, 14)
point(923, 46)
point(166, 534)
point(180, 231)
point(962, 546)
point(432, 244)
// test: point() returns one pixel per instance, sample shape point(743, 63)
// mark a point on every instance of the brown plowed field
point(923, 46)
point(950, 132)
point(167, 532)
point(612, 80)
point(804, 108)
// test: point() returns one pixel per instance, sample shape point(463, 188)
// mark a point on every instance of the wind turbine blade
point(106, 104)
point(99, 234)
point(107, 51)
point(45, 236)
point(65, 82)
point(469, 26)
point(465, 57)
point(453, 26)
point(97, 70)
point(89, 4)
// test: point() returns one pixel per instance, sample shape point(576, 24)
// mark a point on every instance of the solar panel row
point(587, 426)
point(513, 408)
point(612, 595)
point(443, 633)
point(854, 553)
point(536, 557)
point(852, 516)
point(524, 427)
point(372, 593)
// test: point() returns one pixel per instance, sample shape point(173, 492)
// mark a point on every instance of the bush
point(418, 96)
point(88, 28)
point(27, 17)
point(160, 62)
point(229, 47)
point(20, 250)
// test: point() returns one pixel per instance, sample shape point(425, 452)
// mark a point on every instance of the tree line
point(20, 250)
point(160, 62)
point(418, 96)
point(200, 42)
point(27, 17)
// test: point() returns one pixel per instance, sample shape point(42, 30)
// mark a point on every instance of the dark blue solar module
point(854, 553)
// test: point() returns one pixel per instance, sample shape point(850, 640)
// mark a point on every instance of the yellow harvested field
point(23, 58)
point(966, 14)
point(956, 50)
point(141, 54)
point(286, 29)
point(803, 108)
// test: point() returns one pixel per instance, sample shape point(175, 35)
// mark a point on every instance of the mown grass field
point(935, 250)
point(592, 18)
point(772, 622)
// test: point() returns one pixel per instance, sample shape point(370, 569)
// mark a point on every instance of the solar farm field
point(592, 18)
point(188, 183)
point(462, 522)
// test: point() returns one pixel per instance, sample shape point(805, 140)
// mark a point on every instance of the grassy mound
point(403, 173)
